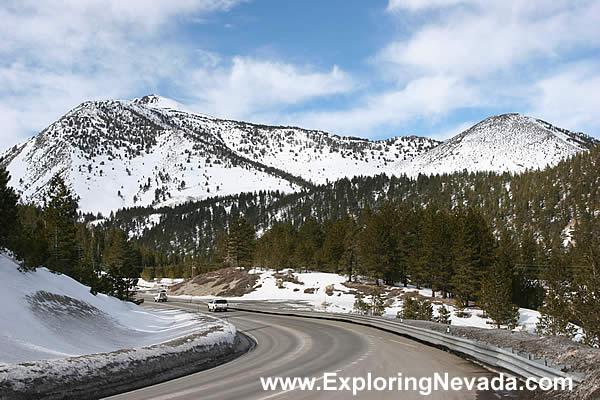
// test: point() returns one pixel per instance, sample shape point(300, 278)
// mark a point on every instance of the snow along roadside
point(57, 340)
point(104, 374)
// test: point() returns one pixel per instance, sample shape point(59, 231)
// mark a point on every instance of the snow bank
point(57, 339)
point(48, 316)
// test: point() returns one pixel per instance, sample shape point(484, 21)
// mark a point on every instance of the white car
point(160, 296)
point(217, 305)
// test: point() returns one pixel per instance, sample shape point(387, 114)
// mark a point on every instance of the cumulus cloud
point(473, 54)
point(570, 96)
point(249, 85)
point(528, 56)
point(496, 36)
point(424, 98)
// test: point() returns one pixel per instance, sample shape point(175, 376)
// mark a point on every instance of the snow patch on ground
point(312, 290)
point(158, 283)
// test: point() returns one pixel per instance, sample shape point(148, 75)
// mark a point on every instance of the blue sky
point(372, 69)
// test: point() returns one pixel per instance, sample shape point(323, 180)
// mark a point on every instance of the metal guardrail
point(522, 365)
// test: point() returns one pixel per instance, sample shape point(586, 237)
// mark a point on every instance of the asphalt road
point(300, 347)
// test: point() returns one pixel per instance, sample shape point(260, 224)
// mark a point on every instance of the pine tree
point(9, 223)
point(463, 280)
point(333, 245)
point(241, 242)
point(527, 290)
point(496, 292)
point(32, 245)
point(349, 259)
point(60, 215)
point(410, 232)
point(483, 248)
point(361, 307)
point(443, 315)
point(557, 309)
point(85, 270)
point(309, 241)
point(121, 275)
point(379, 244)
point(410, 309)
point(496, 297)
point(416, 309)
point(220, 249)
point(586, 301)
point(429, 263)
point(148, 274)
point(377, 303)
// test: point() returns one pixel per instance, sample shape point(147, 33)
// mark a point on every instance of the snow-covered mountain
point(507, 142)
point(151, 151)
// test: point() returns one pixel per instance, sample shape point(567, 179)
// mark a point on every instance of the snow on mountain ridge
point(314, 155)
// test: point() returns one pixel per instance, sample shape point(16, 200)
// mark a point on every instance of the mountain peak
point(521, 126)
point(502, 143)
point(157, 101)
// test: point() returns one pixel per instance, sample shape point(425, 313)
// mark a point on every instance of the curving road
point(290, 347)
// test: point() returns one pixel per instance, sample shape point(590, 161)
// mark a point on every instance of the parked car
point(160, 296)
point(217, 305)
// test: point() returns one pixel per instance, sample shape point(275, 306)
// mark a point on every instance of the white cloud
point(514, 54)
point(478, 54)
point(570, 98)
point(416, 5)
point(427, 99)
point(452, 54)
point(495, 36)
point(249, 86)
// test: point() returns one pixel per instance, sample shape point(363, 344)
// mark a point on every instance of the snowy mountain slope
point(319, 157)
point(508, 142)
point(117, 154)
point(148, 151)
point(49, 316)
